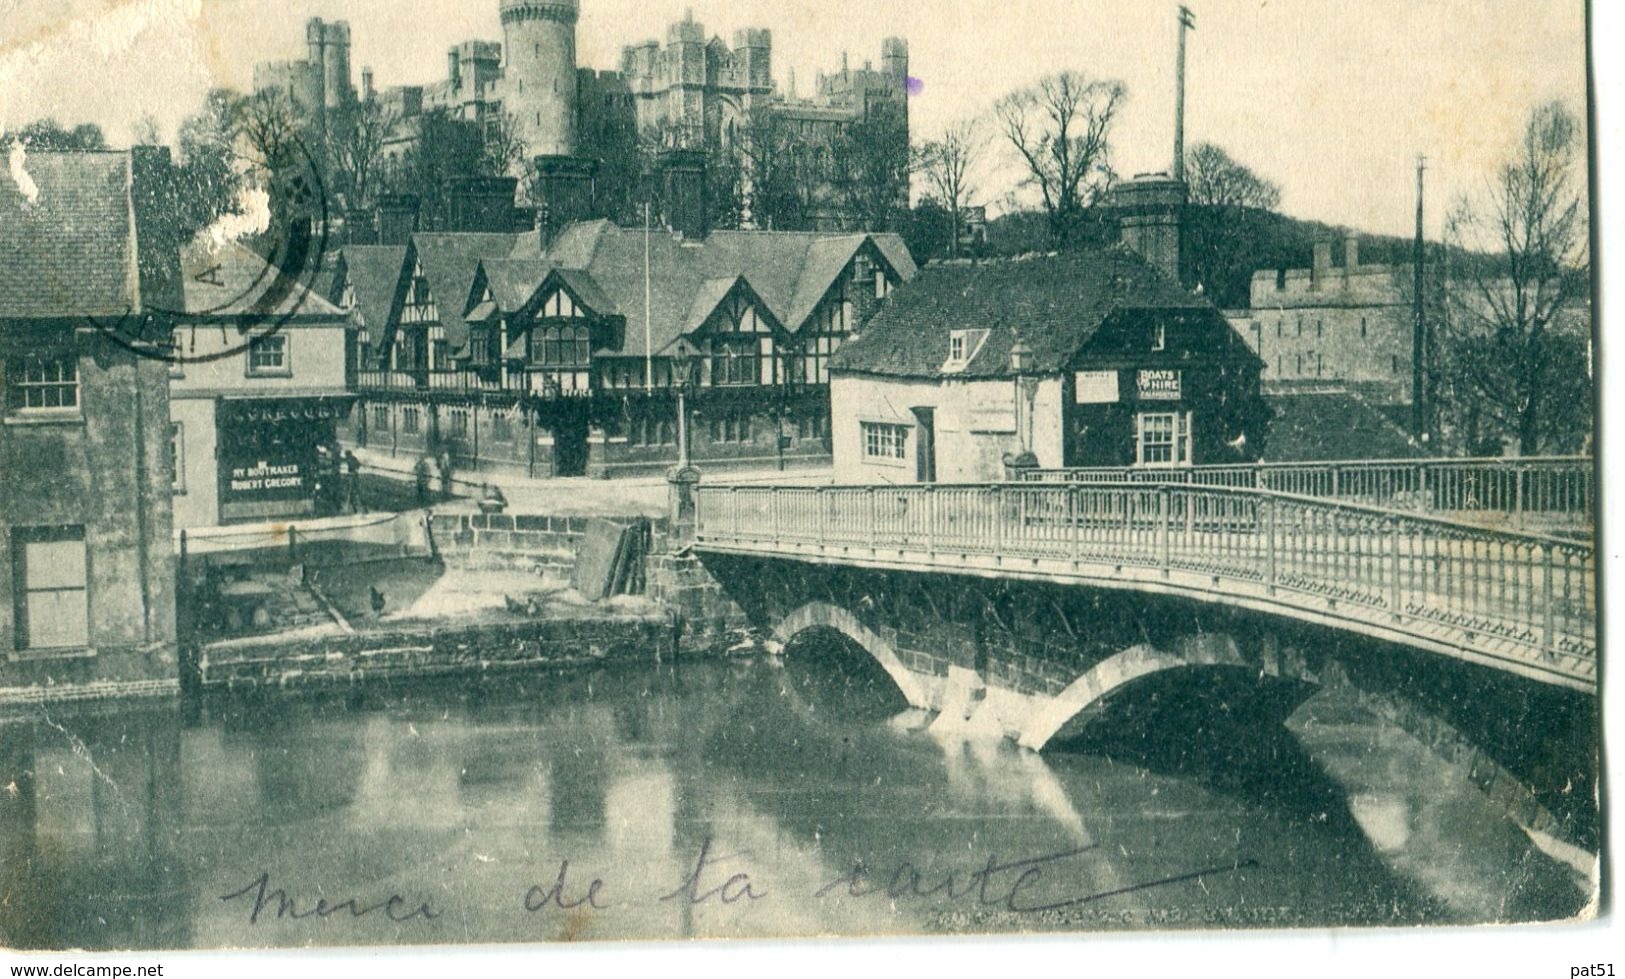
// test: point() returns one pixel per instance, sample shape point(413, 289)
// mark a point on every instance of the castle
point(695, 93)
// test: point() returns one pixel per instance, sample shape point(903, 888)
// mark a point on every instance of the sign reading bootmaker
point(1159, 385)
point(265, 480)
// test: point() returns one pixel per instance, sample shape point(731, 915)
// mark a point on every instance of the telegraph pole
point(1419, 337)
point(1187, 21)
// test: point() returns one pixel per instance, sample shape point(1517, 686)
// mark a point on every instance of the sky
point(1331, 99)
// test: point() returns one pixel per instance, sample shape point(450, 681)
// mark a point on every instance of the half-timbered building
point(563, 359)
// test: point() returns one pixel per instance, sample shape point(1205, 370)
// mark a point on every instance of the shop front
point(274, 456)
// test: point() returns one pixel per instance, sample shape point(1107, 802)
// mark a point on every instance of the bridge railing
point(1539, 489)
point(1533, 592)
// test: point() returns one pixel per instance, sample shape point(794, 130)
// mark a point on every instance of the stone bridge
point(1029, 611)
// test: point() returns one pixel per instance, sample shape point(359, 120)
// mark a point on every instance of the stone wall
point(432, 649)
point(535, 543)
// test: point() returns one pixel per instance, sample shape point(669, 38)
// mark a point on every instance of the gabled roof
point(602, 264)
point(232, 281)
point(67, 237)
point(375, 273)
point(449, 261)
point(1055, 303)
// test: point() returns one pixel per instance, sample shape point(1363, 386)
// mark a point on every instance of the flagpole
point(648, 331)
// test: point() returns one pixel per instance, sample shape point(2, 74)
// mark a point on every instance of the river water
point(752, 798)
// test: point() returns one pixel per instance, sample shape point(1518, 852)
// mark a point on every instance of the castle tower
point(336, 86)
point(539, 80)
point(894, 60)
point(753, 51)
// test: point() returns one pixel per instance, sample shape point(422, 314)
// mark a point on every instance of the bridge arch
point(1097, 685)
point(823, 615)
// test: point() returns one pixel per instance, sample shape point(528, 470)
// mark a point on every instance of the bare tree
point(270, 129)
point(503, 151)
point(1216, 179)
point(779, 169)
point(1228, 222)
point(355, 144)
point(869, 167)
point(1060, 127)
point(948, 165)
point(1517, 364)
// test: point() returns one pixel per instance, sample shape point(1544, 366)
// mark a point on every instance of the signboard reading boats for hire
point(1159, 385)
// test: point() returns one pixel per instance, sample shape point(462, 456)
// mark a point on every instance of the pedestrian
point(445, 472)
point(352, 482)
point(421, 474)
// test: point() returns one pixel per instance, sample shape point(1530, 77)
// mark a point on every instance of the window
point(501, 428)
point(177, 457)
point(736, 360)
point(962, 348)
point(380, 418)
point(1300, 326)
point(459, 422)
point(268, 355)
point(562, 346)
point(1394, 363)
point(1159, 337)
point(882, 284)
point(410, 421)
point(884, 441)
point(1320, 328)
point(37, 382)
point(1278, 330)
point(1163, 439)
point(730, 428)
point(49, 568)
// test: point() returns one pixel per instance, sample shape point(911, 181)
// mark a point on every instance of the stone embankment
point(502, 603)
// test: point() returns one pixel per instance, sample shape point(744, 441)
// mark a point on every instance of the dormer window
point(1159, 337)
point(962, 348)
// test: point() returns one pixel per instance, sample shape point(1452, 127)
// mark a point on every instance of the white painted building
point(257, 383)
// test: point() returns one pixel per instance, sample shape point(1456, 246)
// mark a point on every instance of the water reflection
point(794, 777)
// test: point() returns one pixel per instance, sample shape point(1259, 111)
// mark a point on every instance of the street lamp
point(1026, 386)
point(682, 479)
point(684, 358)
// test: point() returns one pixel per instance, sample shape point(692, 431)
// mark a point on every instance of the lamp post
point(1021, 367)
point(683, 478)
point(684, 357)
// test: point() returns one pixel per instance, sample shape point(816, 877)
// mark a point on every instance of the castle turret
point(894, 59)
point(539, 80)
point(753, 53)
point(685, 46)
point(337, 89)
point(1150, 213)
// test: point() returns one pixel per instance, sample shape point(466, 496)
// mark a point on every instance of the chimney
point(1150, 212)
point(397, 218)
point(366, 84)
point(480, 203)
point(683, 193)
point(565, 192)
point(1351, 251)
point(452, 65)
point(1322, 264)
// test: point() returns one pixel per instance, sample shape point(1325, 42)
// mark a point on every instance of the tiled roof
point(449, 261)
point(789, 271)
point(232, 281)
point(1055, 303)
point(375, 273)
point(1326, 423)
point(71, 251)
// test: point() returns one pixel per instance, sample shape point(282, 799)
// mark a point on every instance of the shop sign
point(266, 479)
point(1159, 385)
point(1095, 387)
